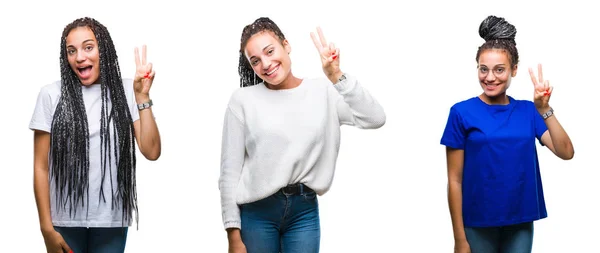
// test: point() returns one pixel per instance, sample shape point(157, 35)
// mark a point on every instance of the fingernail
point(71, 251)
point(334, 57)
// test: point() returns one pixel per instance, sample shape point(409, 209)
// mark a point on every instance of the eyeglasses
point(497, 71)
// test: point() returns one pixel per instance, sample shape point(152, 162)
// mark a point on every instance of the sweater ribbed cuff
point(346, 86)
point(232, 224)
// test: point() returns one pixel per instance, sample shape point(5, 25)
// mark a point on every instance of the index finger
point(540, 75)
point(137, 57)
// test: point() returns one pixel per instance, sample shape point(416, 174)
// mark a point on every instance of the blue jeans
point(506, 239)
point(94, 240)
point(282, 222)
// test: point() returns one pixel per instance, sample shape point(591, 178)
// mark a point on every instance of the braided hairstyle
point(69, 148)
point(499, 34)
point(247, 75)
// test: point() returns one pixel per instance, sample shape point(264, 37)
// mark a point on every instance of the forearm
point(365, 111)
point(41, 189)
point(455, 206)
point(150, 144)
point(560, 139)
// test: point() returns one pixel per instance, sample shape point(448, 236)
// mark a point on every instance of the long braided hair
point(247, 75)
point(499, 34)
point(69, 148)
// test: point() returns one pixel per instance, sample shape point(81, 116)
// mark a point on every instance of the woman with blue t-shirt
point(495, 189)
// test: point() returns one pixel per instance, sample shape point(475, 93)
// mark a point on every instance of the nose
point(80, 56)
point(490, 77)
point(266, 63)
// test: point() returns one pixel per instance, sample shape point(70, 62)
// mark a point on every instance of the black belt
point(296, 189)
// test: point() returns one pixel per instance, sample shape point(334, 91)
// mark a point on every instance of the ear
point(287, 46)
point(514, 70)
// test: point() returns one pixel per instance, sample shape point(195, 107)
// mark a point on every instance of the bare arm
point(146, 132)
point(455, 161)
point(41, 187)
point(557, 139)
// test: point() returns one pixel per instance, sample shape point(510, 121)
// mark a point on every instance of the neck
point(289, 82)
point(501, 99)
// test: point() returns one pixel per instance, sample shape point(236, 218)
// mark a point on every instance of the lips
point(489, 86)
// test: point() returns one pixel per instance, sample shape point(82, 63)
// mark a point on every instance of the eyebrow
point(499, 65)
point(251, 57)
point(85, 41)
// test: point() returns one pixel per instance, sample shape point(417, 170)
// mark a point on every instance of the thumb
point(66, 247)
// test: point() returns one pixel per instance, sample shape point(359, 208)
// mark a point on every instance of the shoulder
point(49, 94)
point(464, 105)
point(51, 89)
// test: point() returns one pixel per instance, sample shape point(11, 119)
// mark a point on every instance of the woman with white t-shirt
point(85, 129)
point(281, 138)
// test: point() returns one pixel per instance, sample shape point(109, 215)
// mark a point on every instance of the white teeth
point(273, 71)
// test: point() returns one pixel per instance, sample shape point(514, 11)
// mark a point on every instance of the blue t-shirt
point(501, 175)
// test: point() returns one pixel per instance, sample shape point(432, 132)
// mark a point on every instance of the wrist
point(544, 109)
point(234, 235)
point(142, 98)
point(47, 229)
point(335, 77)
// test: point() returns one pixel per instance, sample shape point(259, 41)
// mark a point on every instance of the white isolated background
point(389, 194)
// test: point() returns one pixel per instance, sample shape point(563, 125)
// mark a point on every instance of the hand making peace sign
point(144, 74)
point(330, 56)
point(542, 89)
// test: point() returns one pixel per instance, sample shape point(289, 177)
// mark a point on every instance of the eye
point(483, 70)
point(70, 51)
point(500, 70)
point(253, 62)
point(89, 48)
point(270, 51)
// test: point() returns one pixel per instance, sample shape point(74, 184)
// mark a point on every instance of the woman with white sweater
point(281, 138)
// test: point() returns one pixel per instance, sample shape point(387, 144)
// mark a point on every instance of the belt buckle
point(291, 189)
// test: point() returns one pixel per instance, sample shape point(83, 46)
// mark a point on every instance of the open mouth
point(85, 72)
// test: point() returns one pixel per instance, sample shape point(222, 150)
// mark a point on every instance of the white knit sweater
point(273, 138)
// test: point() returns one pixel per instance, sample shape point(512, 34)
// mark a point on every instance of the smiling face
point(495, 72)
point(269, 57)
point(83, 54)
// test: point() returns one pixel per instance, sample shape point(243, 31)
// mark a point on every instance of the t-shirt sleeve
point(43, 112)
point(454, 134)
point(128, 87)
point(539, 125)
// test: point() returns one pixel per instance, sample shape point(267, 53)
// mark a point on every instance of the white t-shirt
point(96, 213)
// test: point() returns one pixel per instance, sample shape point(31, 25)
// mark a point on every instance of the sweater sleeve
point(356, 107)
point(232, 159)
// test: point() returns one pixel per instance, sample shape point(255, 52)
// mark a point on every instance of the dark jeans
point(94, 240)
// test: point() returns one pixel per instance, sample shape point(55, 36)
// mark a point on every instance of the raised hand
point(144, 74)
point(542, 90)
point(330, 56)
